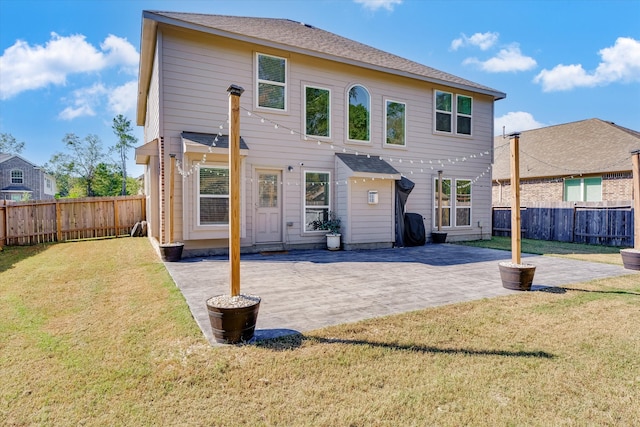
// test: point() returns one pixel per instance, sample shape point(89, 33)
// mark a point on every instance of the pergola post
point(635, 160)
point(234, 187)
point(516, 239)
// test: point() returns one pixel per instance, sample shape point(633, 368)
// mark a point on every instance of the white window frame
point(453, 114)
point(304, 199)
point(583, 189)
point(435, 202)
point(358, 141)
point(464, 207)
point(304, 117)
point(209, 196)
point(270, 82)
point(14, 178)
point(387, 101)
point(453, 203)
point(459, 114)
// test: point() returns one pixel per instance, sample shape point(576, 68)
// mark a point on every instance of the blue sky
point(71, 66)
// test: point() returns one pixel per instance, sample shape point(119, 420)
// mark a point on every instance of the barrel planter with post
point(514, 274)
point(233, 317)
point(631, 256)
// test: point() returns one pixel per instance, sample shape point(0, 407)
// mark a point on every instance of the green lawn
point(96, 333)
point(593, 253)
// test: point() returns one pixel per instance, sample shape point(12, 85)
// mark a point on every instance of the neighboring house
point(327, 125)
point(584, 161)
point(22, 180)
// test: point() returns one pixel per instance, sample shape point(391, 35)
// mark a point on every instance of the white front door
point(268, 207)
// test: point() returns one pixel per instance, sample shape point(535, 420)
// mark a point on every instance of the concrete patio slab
point(306, 290)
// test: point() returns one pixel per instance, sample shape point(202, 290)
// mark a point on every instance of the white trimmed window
point(317, 111)
point(17, 176)
point(454, 199)
point(359, 103)
point(213, 195)
point(271, 74)
point(583, 190)
point(316, 197)
point(395, 123)
point(463, 202)
point(454, 118)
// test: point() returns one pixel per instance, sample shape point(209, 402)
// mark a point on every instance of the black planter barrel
point(231, 325)
point(517, 277)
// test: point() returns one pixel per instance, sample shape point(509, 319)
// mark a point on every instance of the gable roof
point(295, 37)
point(7, 156)
point(585, 147)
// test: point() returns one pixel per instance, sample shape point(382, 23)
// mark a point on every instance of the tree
point(122, 128)
point(81, 162)
point(8, 144)
point(107, 180)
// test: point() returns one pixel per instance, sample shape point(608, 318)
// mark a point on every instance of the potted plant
point(331, 223)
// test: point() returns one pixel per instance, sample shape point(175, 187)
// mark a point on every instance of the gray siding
point(195, 73)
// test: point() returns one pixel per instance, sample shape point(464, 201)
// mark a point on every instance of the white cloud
point(25, 67)
point(620, 63)
point(507, 60)
point(85, 101)
point(377, 4)
point(482, 40)
point(515, 121)
point(122, 99)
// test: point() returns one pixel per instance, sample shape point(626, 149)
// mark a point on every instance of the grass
point(95, 333)
point(593, 253)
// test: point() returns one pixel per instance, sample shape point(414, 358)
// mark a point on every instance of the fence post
point(115, 216)
point(516, 234)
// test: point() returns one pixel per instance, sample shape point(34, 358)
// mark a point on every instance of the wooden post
point(635, 159)
point(116, 217)
point(439, 200)
point(515, 198)
point(171, 190)
point(234, 187)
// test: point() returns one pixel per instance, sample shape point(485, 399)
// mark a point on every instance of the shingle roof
point(372, 164)
point(585, 147)
point(209, 139)
point(307, 39)
point(17, 188)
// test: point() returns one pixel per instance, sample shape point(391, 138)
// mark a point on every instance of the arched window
point(359, 114)
point(17, 176)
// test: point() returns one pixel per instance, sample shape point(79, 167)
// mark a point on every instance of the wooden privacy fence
point(28, 223)
point(594, 224)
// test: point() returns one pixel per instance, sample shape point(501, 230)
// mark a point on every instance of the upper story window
point(359, 114)
point(317, 111)
point(47, 182)
point(395, 124)
point(17, 177)
point(454, 118)
point(213, 196)
point(272, 84)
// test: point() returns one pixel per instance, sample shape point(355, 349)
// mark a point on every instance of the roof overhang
point(203, 143)
point(145, 151)
point(148, 39)
point(362, 166)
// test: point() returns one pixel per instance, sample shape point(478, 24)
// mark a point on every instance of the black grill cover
point(414, 233)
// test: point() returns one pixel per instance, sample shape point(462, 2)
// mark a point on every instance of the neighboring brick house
point(22, 180)
point(584, 161)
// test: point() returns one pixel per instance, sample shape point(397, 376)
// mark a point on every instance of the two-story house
point(22, 180)
point(327, 125)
